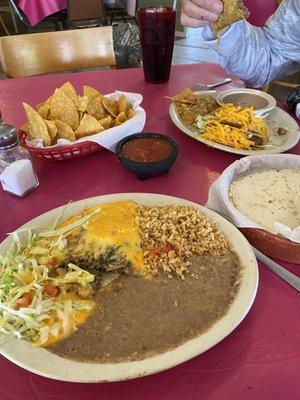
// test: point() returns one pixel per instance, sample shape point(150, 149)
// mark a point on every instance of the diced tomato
point(53, 261)
point(24, 301)
point(166, 249)
point(50, 290)
point(154, 252)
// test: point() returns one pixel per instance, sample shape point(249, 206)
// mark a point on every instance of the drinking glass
point(157, 31)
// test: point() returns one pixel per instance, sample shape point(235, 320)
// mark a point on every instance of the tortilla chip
point(88, 126)
point(121, 118)
point(26, 128)
point(106, 122)
point(123, 103)
point(185, 96)
point(90, 92)
point(40, 105)
point(111, 106)
point(51, 116)
point(48, 101)
point(52, 129)
point(233, 11)
point(64, 109)
point(69, 90)
point(96, 108)
point(37, 126)
point(82, 103)
point(44, 108)
point(64, 131)
point(130, 113)
point(44, 111)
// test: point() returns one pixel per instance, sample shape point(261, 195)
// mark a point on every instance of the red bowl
point(273, 245)
point(60, 153)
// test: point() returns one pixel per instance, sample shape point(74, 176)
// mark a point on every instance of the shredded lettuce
point(200, 122)
point(69, 227)
point(75, 275)
point(22, 274)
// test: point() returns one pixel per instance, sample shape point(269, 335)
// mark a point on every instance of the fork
point(201, 86)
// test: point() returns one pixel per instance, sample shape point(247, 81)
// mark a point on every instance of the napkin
point(218, 198)
point(110, 137)
point(18, 177)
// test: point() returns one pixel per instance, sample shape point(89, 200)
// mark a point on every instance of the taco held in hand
point(234, 10)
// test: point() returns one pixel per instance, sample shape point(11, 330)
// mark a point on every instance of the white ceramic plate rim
point(293, 135)
point(42, 362)
point(271, 100)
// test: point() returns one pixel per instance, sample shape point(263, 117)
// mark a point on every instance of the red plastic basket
point(61, 152)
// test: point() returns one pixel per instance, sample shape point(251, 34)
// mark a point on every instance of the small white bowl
point(263, 102)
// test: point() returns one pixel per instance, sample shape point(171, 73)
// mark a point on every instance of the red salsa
point(147, 149)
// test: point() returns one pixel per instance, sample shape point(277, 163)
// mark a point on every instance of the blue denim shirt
point(260, 55)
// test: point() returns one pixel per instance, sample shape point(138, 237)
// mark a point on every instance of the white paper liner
point(110, 137)
point(218, 198)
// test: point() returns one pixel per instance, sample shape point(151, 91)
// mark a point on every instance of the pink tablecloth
point(37, 10)
point(260, 360)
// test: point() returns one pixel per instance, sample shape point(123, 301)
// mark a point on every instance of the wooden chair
point(92, 14)
point(116, 12)
point(52, 52)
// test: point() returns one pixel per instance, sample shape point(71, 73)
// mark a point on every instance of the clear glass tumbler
point(157, 31)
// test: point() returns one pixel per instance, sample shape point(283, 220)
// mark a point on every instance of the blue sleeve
point(260, 55)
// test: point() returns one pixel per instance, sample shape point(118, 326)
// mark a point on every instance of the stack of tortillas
point(268, 197)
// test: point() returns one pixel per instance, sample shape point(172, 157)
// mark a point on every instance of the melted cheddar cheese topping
point(114, 225)
point(78, 318)
point(105, 227)
point(111, 225)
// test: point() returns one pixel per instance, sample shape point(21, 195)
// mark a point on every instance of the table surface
point(261, 358)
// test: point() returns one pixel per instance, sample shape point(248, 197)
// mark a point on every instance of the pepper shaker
point(17, 174)
point(293, 101)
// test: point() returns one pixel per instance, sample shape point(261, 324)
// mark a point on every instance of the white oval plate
point(42, 362)
point(276, 118)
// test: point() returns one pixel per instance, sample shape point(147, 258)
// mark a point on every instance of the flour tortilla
point(269, 196)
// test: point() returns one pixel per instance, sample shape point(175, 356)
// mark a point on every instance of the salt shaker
point(17, 174)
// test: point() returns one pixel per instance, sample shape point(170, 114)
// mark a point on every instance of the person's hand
point(197, 13)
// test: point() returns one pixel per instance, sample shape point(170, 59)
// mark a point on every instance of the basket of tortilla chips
point(68, 125)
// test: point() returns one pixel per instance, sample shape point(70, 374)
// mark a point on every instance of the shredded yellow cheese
point(227, 135)
point(221, 127)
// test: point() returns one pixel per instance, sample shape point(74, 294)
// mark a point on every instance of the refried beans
point(138, 317)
